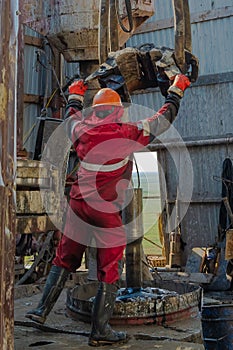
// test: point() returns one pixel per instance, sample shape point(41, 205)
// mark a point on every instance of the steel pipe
point(191, 143)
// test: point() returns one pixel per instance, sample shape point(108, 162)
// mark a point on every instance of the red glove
point(78, 87)
point(180, 84)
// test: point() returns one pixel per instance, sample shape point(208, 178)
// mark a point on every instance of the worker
point(104, 145)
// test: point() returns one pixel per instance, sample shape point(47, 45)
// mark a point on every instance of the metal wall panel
point(71, 69)
point(211, 41)
point(200, 214)
point(206, 111)
point(205, 115)
point(30, 126)
point(158, 38)
point(164, 10)
point(151, 100)
point(207, 5)
point(38, 81)
point(34, 73)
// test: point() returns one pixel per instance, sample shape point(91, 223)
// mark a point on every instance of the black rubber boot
point(54, 284)
point(101, 332)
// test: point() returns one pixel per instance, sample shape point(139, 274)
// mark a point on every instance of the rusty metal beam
point(113, 27)
point(34, 224)
point(187, 26)
point(30, 98)
point(33, 41)
point(179, 28)
point(103, 37)
point(8, 52)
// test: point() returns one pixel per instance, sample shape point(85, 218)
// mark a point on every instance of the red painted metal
point(166, 319)
point(181, 301)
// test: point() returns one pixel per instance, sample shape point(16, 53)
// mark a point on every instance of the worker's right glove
point(180, 84)
point(77, 90)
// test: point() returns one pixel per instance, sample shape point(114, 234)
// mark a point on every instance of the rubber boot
point(54, 284)
point(101, 331)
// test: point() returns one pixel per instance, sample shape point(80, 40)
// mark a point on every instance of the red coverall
point(97, 196)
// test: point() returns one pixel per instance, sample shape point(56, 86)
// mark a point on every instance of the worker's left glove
point(77, 90)
point(76, 97)
point(180, 84)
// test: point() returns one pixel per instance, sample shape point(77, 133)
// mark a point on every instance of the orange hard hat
point(106, 96)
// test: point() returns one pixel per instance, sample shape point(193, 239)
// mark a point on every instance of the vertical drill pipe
point(103, 34)
point(113, 27)
point(182, 30)
point(132, 218)
point(188, 34)
point(134, 264)
point(175, 253)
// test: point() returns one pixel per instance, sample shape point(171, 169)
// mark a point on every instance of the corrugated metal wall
point(205, 114)
point(33, 84)
point(38, 81)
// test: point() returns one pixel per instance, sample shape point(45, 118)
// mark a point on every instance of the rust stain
point(3, 98)
point(68, 25)
point(8, 81)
